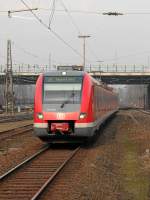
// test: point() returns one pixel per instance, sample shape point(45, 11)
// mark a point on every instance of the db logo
point(60, 116)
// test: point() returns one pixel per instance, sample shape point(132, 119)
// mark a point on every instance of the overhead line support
point(9, 93)
point(21, 10)
point(84, 38)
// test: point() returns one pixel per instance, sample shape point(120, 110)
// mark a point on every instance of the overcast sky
point(123, 39)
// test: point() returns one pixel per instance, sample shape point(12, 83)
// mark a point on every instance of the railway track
point(16, 131)
point(13, 118)
point(145, 112)
point(134, 117)
point(29, 179)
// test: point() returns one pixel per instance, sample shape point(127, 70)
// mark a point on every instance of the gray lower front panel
point(79, 132)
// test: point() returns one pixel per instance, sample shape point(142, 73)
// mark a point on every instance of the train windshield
point(62, 94)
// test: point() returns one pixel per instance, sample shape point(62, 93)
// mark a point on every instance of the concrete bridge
point(122, 77)
point(113, 74)
point(107, 77)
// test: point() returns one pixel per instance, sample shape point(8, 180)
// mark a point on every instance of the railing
point(27, 68)
point(118, 68)
point(101, 68)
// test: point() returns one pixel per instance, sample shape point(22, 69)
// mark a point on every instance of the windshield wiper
point(68, 100)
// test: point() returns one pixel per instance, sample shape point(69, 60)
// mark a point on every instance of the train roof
point(77, 73)
point(63, 72)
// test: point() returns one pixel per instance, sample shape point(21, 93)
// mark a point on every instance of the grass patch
point(135, 182)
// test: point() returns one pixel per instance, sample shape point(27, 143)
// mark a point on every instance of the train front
point(57, 109)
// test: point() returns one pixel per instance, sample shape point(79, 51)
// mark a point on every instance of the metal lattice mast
point(9, 93)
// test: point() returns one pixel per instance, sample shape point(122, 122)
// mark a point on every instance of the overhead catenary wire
point(49, 29)
point(93, 52)
point(14, 60)
point(70, 17)
point(129, 55)
point(89, 12)
point(24, 50)
point(94, 12)
point(28, 52)
point(75, 25)
point(50, 21)
point(98, 12)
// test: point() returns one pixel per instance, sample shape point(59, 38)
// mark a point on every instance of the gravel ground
point(16, 149)
point(116, 167)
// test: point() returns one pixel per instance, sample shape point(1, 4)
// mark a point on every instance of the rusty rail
point(15, 131)
point(33, 176)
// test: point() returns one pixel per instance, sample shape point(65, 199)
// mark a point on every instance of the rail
point(30, 178)
point(14, 169)
point(13, 118)
point(16, 131)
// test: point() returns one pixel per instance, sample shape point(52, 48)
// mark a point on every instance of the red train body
point(71, 105)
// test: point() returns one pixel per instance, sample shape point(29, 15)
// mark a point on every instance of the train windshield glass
point(62, 94)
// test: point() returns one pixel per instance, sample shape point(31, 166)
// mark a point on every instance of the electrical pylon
point(9, 93)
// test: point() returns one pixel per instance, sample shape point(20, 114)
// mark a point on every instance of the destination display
point(63, 79)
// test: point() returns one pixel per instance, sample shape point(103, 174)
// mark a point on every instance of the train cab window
point(62, 94)
point(57, 93)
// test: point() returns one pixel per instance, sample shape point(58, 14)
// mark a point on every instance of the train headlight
point(40, 115)
point(64, 73)
point(82, 115)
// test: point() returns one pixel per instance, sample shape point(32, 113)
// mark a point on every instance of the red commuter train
point(71, 105)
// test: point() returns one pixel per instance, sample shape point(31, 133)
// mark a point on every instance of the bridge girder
point(109, 78)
